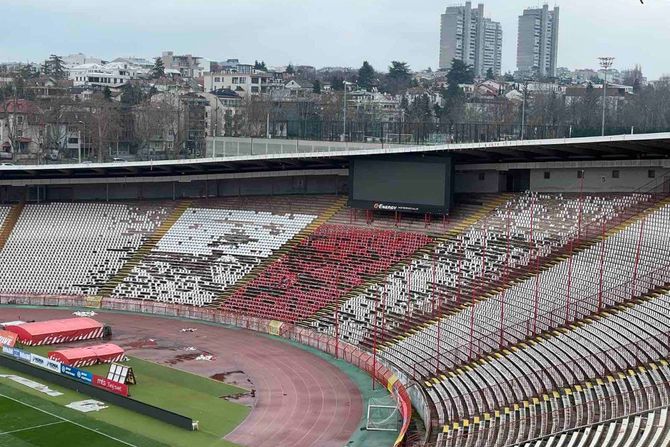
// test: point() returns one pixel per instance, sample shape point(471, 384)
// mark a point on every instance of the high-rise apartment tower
point(467, 35)
point(537, 45)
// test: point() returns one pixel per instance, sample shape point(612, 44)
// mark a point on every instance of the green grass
point(169, 388)
point(28, 421)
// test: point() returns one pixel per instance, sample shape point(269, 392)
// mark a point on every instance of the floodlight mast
point(605, 62)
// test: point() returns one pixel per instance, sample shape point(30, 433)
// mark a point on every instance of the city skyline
point(263, 30)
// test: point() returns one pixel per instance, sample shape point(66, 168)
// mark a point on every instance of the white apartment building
point(114, 74)
point(243, 84)
point(465, 34)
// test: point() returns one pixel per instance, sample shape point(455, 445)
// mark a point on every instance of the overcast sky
point(320, 32)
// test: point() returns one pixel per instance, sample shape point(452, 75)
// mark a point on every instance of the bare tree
point(253, 116)
point(103, 122)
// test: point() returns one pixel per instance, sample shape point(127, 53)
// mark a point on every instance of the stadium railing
point(557, 317)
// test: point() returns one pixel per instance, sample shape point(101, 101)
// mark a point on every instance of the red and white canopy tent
point(57, 331)
point(90, 355)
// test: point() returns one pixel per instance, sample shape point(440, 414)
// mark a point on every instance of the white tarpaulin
point(86, 406)
point(32, 384)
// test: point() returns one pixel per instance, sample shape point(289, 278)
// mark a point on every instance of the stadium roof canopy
point(617, 147)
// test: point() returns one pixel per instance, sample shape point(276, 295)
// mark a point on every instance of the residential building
point(537, 44)
point(189, 66)
point(220, 112)
point(80, 59)
point(616, 94)
point(95, 75)
point(300, 87)
point(465, 34)
point(21, 129)
point(253, 83)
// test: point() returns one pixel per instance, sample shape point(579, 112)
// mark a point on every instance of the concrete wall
point(595, 179)
point(471, 182)
point(177, 190)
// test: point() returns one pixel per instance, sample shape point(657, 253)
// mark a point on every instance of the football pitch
point(31, 418)
point(25, 425)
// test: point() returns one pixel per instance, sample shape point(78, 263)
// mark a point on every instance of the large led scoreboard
point(408, 184)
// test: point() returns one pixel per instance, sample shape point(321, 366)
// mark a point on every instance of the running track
point(301, 399)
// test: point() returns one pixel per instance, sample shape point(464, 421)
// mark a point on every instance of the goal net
point(383, 414)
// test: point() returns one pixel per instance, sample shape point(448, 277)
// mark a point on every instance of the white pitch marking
point(30, 428)
point(71, 422)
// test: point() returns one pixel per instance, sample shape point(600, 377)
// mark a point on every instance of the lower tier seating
point(74, 248)
point(206, 251)
point(650, 428)
point(4, 211)
point(593, 413)
point(468, 263)
point(313, 275)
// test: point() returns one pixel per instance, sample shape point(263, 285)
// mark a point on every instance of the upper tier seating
point(73, 248)
point(537, 224)
point(476, 330)
point(320, 270)
point(206, 251)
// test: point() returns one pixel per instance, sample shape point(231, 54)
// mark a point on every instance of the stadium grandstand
point(505, 294)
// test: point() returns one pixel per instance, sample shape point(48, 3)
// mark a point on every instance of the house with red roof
point(21, 129)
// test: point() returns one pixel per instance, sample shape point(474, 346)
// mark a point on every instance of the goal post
point(383, 414)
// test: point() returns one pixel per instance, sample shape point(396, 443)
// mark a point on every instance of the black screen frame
point(398, 206)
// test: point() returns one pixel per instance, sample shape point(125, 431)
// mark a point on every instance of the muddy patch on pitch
point(182, 358)
point(238, 378)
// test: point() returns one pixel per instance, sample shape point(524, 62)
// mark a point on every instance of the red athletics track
point(301, 399)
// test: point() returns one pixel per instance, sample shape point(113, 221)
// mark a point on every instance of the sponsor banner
point(46, 363)
point(7, 350)
point(8, 338)
point(76, 373)
point(110, 385)
point(23, 355)
point(389, 207)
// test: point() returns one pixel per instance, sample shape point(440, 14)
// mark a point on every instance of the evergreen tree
point(489, 74)
point(56, 67)
point(317, 87)
point(460, 73)
point(399, 77)
point(366, 76)
point(158, 70)
point(260, 66)
point(290, 70)
point(337, 84)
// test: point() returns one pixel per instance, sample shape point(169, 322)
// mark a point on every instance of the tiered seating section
point(635, 252)
point(206, 251)
point(610, 367)
point(73, 248)
point(649, 428)
point(518, 334)
point(322, 269)
point(4, 211)
point(468, 263)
